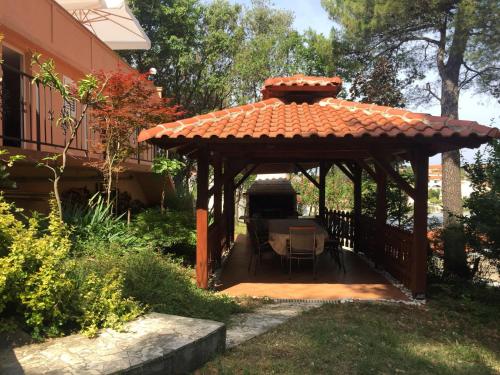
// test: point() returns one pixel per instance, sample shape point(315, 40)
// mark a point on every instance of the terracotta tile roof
point(273, 87)
point(327, 117)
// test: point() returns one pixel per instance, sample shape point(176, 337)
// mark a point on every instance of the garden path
point(245, 326)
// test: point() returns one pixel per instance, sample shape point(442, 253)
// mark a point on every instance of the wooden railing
point(340, 225)
point(396, 257)
point(368, 236)
point(397, 253)
point(28, 120)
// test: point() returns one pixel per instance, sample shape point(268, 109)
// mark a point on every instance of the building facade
point(28, 122)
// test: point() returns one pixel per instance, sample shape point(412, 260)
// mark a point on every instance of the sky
point(481, 108)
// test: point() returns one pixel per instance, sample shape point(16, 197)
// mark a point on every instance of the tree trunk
point(455, 260)
point(57, 196)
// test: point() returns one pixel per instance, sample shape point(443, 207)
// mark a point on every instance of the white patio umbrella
point(111, 21)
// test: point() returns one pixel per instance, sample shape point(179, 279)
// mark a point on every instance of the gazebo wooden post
point(229, 201)
point(380, 215)
point(218, 204)
point(322, 196)
point(420, 163)
point(202, 219)
point(357, 171)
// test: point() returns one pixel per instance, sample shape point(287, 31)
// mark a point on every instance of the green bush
point(160, 283)
point(37, 282)
point(169, 232)
point(103, 304)
point(96, 226)
point(167, 287)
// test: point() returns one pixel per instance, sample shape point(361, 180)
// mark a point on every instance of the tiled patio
point(271, 280)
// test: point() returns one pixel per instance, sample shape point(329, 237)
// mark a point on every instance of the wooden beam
point(380, 216)
point(245, 176)
point(420, 244)
point(308, 176)
point(202, 220)
point(229, 201)
point(357, 172)
point(345, 170)
point(218, 181)
point(400, 181)
point(367, 168)
point(323, 170)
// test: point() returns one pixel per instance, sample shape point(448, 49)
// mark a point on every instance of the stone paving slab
point(245, 326)
point(153, 344)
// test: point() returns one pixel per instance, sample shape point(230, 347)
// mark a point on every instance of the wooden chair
point(302, 246)
point(259, 243)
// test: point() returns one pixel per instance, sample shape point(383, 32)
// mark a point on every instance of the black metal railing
point(29, 113)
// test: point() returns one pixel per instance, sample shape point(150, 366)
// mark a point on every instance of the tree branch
point(432, 93)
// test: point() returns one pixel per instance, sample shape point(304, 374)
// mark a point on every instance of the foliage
point(166, 167)
point(37, 283)
point(131, 103)
point(315, 54)
point(159, 282)
point(457, 38)
point(270, 48)
point(307, 193)
point(211, 55)
point(194, 45)
point(169, 232)
point(167, 287)
point(398, 205)
point(483, 222)
point(6, 162)
point(88, 92)
point(33, 271)
point(96, 226)
point(338, 192)
point(379, 85)
point(103, 303)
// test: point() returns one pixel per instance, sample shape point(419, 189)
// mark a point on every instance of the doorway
point(12, 98)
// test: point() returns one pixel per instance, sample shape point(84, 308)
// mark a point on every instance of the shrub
point(38, 283)
point(159, 283)
point(34, 272)
point(103, 304)
point(95, 226)
point(170, 231)
point(167, 287)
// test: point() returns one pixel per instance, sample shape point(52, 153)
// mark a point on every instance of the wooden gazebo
point(300, 124)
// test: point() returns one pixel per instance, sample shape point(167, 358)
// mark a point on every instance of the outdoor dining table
point(279, 233)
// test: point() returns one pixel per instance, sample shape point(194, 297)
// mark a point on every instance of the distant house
point(58, 30)
point(436, 177)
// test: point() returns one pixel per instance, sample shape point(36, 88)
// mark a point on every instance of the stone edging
point(153, 344)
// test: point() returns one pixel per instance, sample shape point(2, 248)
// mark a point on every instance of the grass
point(457, 332)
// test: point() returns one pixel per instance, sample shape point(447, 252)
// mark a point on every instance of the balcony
point(29, 115)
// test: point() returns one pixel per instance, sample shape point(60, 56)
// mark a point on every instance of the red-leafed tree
point(132, 103)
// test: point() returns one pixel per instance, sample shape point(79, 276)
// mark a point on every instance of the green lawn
point(457, 332)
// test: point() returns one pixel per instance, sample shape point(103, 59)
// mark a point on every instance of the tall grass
point(95, 226)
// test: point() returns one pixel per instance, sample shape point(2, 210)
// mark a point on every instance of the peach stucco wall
point(46, 27)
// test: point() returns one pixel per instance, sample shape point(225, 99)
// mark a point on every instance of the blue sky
point(472, 106)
